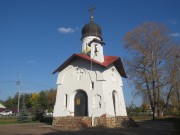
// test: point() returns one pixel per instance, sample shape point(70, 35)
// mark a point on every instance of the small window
point(92, 84)
point(65, 100)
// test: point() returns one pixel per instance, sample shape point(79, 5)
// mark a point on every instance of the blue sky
point(36, 36)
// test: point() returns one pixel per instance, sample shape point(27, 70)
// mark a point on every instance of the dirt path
point(145, 128)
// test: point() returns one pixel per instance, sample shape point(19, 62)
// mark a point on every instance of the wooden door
point(80, 104)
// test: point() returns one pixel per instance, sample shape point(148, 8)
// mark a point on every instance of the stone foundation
point(111, 122)
point(79, 122)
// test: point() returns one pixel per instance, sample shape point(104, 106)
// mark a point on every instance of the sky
point(37, 36)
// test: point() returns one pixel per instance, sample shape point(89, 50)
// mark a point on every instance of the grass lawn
point(8, 121)
point(141, 117)
point(13, 120)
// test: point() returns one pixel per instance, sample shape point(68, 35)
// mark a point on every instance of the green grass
point(8, 120)
point(141, 117)
point(13, 120)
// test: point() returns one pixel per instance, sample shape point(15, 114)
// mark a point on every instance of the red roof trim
point(107, 61)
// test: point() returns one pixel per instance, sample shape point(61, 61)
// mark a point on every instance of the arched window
point(114, 93)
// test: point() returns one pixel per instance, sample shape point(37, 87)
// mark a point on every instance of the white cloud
point(175, 34)
point(64, 30)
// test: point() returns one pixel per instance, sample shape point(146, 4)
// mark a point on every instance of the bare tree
point(173, 69)
point(150, 47)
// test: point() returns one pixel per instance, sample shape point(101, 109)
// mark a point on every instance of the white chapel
point(89, 84)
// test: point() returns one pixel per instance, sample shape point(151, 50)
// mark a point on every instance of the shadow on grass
point(174, 120)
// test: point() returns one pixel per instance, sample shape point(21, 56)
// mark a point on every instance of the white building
point(90, 83)
point(2, 106)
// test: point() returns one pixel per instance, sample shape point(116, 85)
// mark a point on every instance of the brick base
point(79, 122)
point(67, 122)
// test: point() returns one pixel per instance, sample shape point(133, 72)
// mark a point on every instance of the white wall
point(114, 83)
point(99, 56)
point(78, 76)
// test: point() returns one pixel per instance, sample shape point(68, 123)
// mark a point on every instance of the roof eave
point(119, 66)
point(117, 62)
point(63, 65)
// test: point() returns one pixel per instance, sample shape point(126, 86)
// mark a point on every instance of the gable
point(108, 60)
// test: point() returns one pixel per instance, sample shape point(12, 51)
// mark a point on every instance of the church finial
point(91, 11)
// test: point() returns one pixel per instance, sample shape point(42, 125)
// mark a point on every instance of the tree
point(130, 109)
point(27, 100)
point(145, 107)
point(10, 103)
point(38, 102)
point(23, 116)
point(43, 100)
point(34, 99)
point(173, 69)
point(150, 47)
point(51, 97)
point(36, 106)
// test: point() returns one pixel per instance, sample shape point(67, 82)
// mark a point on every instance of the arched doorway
point(80, 104)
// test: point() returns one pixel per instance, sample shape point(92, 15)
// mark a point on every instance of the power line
point(31, 83)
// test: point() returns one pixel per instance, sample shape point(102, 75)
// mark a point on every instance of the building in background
point(2, 106)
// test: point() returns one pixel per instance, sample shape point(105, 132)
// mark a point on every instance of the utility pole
point(18, 83)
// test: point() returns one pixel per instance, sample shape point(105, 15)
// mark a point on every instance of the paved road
point(145, 128)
